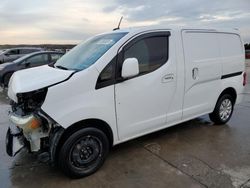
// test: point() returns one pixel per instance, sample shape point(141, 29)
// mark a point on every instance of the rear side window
point(13, 52)
point(151, 53)
point(24, 51)
point(28, 51)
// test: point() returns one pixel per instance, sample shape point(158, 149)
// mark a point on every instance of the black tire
point(220, 119)
point(84, 152)
point(6, 79)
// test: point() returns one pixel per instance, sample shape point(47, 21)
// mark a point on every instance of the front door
point(142, 102)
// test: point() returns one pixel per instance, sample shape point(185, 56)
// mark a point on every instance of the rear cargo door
point(202, 72)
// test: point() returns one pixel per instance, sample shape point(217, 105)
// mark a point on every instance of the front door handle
point(195, 73)
point(167, 78)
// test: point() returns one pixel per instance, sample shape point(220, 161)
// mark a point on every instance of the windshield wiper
point(61, 67)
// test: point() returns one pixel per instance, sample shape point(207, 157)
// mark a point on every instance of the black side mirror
point(51, 64)
point(27, 64)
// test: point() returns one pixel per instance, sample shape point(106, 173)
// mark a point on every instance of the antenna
point(118, 27)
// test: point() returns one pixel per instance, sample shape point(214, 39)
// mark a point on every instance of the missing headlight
point(30, 101)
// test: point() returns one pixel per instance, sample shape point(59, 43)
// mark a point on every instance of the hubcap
point(86, 151)
point(225, 109)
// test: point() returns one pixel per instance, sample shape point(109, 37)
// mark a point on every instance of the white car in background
point(121, 85)
point(12, 54)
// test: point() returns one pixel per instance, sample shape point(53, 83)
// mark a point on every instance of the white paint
point(35, 78)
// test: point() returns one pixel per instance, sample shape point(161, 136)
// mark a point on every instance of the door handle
point(167, 78)
point(195, 73)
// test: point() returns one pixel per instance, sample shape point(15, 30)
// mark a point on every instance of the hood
point(3, 65)
point(35, 78)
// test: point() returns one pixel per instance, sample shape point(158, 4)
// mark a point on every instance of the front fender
point(74, 100)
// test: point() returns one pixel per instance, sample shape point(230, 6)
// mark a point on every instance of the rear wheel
point(223, 110)
point(84, 152)
point(6, 79)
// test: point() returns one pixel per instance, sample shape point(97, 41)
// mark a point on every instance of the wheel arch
point(215, 116)
point(6, 73)
point(96, 123)
point(231, 91)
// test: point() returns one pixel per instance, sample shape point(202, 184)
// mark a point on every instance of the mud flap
point(14, 141)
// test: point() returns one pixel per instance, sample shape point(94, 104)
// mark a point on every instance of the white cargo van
point(121, 85)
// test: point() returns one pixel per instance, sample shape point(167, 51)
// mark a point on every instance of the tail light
point(244, 78)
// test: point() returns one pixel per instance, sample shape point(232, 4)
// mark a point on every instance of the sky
point(72, 21)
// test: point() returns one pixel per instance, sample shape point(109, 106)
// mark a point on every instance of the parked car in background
point(2, 50)
point(12, 54)
point(31, 60)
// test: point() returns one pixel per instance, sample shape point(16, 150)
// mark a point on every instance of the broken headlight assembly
point(29, 102)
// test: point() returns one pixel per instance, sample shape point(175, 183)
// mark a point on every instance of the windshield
point(87, 53)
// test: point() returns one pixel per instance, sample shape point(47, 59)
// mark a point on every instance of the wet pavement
point(192, 154)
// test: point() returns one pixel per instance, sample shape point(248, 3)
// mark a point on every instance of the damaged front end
point(31, 127)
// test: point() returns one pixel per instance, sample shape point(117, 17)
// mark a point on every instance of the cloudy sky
point(71, 21)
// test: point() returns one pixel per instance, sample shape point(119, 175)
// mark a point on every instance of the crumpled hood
point(35, 78)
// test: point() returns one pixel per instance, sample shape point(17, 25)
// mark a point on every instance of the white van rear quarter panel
point(232, 53)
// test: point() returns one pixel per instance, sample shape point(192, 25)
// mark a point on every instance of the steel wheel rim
point(225, 109)
point(86, 151)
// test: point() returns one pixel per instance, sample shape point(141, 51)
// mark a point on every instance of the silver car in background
point(15, 53)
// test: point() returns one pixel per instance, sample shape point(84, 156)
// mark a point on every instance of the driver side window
point(151, 53)
point(38, 60)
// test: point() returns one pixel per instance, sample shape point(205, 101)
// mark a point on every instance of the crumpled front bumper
point(28, 131)
point(24, 128)
point(15, 141)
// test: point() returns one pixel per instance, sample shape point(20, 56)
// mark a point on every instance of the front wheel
point(84, 152)
point(223, 110)
point(6, 79)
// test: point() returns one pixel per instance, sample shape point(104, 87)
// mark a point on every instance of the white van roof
point(177, 28)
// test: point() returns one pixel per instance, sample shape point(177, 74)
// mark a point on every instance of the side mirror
point(130, 68)
point(27, 64)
